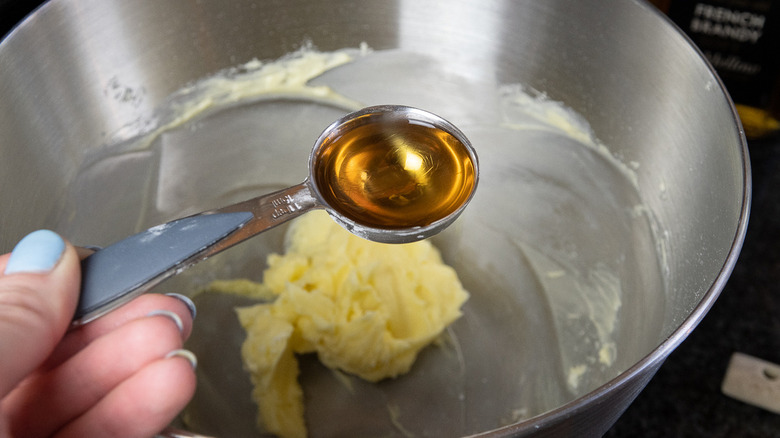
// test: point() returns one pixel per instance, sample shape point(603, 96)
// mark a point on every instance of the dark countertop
point(684, 398)
point(13, 11)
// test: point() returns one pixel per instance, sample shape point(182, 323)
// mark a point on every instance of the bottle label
point(741, 38)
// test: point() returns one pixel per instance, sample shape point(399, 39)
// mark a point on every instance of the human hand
point(120, 375)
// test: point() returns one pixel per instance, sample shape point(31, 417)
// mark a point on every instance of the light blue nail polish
point(171, 315)
point(38, 252)
point(187, 302)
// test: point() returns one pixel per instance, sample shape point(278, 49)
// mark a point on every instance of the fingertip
point(173, 316)
point(37, 253)
point(187, 302)
point(139, 307)
point(186, 355)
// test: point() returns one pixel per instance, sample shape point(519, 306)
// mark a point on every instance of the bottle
point(741, 39)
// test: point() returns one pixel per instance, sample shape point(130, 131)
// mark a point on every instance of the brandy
point(395, 174)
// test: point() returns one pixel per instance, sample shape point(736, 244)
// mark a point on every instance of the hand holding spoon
point(391, 174)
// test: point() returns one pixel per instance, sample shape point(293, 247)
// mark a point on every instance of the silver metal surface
point(77, 73)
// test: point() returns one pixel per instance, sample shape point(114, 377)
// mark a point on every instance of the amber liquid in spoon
point(395, 174)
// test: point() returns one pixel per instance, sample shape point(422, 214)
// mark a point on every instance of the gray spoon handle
point(119, 272)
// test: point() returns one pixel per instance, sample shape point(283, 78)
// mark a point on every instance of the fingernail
point(172, 315)
point(186, 354)
point(38, 252)
point(187, 302)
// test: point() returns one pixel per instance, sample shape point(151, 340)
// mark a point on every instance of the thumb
point(38, 294)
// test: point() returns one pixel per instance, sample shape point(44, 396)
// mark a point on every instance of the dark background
point(684, 398)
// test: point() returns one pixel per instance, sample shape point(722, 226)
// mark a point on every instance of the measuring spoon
point(391, 174)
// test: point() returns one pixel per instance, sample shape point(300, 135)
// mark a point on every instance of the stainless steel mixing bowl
point(76, 75)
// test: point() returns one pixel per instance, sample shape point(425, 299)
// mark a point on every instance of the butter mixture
point(364, 308)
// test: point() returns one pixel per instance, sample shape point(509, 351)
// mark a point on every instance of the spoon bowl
point(393, 174)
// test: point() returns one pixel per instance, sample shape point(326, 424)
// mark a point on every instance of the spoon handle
point(121, 271)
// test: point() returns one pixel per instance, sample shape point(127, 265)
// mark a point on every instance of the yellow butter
point(365, 308)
